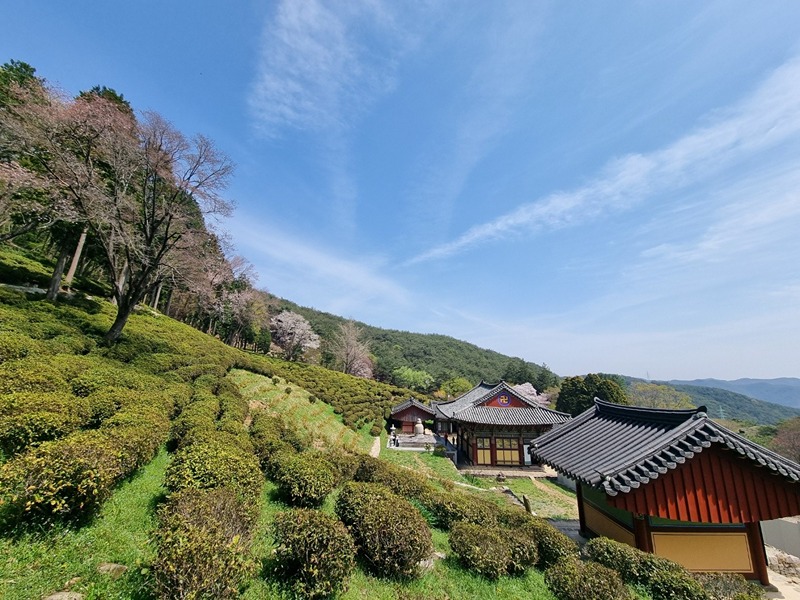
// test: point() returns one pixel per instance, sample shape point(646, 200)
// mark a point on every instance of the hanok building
point(493, 425)
point(409, 411)
point(674, 483)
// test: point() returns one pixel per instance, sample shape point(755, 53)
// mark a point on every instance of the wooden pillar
point(756, 541)
point(581, 513)
point(492, 449)
point(641, 533)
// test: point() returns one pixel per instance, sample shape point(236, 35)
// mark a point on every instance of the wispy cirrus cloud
point(768, 116)
point(291, 263)
point(322, 63)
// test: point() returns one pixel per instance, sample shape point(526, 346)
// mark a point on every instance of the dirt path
point(550, 491)
point(376, 447)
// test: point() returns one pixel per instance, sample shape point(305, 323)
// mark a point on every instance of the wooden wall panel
point(715, 486)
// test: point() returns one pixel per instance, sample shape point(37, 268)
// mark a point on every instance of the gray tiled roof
point(489, 415)
point(413, 402)
point(618, 448)
point(465, 408)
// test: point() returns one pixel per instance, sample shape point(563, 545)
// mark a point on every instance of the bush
point(553, 545)
point(213, 463)
point(203, 544)
point(728, 586)
point(453, 506)
point(664, 578)
point(390, 533)
point(480, 549)
point(315, 553)
point(524, 550)
point(31, 374)
point(15, 345)
point(68, 478)
point(401, 481)
point(571, 579)
point(304, 479)
point(677, 584)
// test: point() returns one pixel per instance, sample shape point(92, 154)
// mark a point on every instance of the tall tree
point(350, 351)
point(294, 334)
point(577, 394)
point(652, 395)
point(160, 192)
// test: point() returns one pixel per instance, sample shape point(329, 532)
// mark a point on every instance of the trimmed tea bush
point(63, 479)
point(315, 553)
point(451, 507)
point(553, 545)
point(304, 479)
point(214, 463)
point(571, 579)
point(203, 544)
point(664, 578)
point(390, 533)
point(524, 550)
point(479, 549)
point(404, 482)
point(728, 586)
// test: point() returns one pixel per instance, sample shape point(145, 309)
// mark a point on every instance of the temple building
point(674, 483)
point(407, 413)
point(494, 425)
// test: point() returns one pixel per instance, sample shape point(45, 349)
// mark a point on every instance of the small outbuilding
point(407, 413)
point(674, 483)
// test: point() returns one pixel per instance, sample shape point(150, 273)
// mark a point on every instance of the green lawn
point(316, 417)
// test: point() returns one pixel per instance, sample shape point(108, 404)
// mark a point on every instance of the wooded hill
point(441, 356)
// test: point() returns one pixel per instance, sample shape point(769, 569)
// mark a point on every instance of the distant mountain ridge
point(781, 390)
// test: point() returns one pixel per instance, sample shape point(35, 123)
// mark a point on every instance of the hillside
point(442, 356)
point(781, 390)
point(725, 404)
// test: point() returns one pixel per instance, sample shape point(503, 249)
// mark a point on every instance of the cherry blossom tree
point(293, 333)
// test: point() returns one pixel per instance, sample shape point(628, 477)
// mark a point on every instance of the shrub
point(728, 586)
point(571, 579)
point(524, 550)
point(315, 553)
point(375, 430)
point(390, 533)
point(677, 584)
point(305, 479)
point(451, 506)
point(401, 481)
point(203, 544)
point(67, 478)
point(15, 345)
point(31, 374)
point(480, 549)
point(25, 429)
point(553, 545)
point(664, 578)
point(213, 463)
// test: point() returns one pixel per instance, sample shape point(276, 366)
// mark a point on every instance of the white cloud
point(769, 116)
point(345, 284)
point(318, 70)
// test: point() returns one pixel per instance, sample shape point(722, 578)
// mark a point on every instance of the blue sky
point(607, 186)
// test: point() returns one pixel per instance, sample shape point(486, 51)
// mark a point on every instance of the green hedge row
point(665, 579)
point(214, 481)
point(359, 401)
point(493, 551)
point(72, 476)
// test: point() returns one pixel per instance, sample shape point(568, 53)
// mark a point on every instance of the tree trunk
point(157, 296)
point(123, 312)
point(76, 257)
point(123, 276)
point(169, 304)
point(58, 272)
